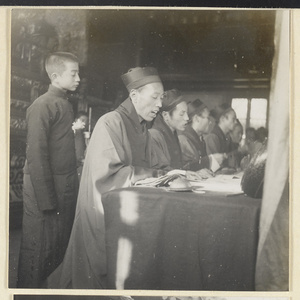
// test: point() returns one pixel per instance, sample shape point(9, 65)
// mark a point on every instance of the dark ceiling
point(212, 49)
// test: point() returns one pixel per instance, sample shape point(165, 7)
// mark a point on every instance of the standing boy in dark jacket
point(50, 177)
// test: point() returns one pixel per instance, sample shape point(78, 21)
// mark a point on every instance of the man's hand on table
point(191, 175)
point(205, 173)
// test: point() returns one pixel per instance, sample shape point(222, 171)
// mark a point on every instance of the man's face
point(147, 101)
point(203, 121)
point(250, 137)
point(179, 119)
point(230, 120)
point(237, 134)
point(69, 79)
point(212, 123)
point(84, 119)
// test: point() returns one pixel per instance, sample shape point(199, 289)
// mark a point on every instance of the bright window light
point(258, 112)
point(240, 106)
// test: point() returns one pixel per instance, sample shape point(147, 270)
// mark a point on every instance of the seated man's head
point(251, 136)
point(199, 116)
point(83, 117)
point(237, 132)
point(262, 134)
point(145, 91)
point(174, 110)
point(225, 117)
point(63, 70)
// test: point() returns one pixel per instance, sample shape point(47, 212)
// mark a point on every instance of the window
point(251, 112)
point(258, 112)
point(240, 106)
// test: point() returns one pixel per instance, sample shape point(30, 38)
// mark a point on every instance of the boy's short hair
point(55, 62)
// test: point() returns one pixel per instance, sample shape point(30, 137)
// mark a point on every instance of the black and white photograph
point(149, 150)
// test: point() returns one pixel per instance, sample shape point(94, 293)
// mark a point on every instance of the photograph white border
point(294, 292)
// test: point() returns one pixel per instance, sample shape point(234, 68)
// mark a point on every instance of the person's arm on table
point(108, 156)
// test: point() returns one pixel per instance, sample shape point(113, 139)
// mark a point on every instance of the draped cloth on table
point(272, 257)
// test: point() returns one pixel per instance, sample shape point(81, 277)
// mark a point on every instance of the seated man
point(192, 142)
point(218, 141)
point(262, 134)
point(79, 126)
point(173, 117)
point(119, 154)
point(236, 137)
point(253, 142)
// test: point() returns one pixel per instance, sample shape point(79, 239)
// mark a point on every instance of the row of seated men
point(122, 150)
point(192, 138)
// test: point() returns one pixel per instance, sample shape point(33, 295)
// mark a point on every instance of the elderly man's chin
point(183, 127)
point(151, 116)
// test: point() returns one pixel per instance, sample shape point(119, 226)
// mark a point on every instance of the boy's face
point(69, 78)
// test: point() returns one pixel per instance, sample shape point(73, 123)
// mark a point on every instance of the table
point(163, 240)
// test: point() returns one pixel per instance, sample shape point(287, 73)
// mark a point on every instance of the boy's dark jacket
point(50, 145)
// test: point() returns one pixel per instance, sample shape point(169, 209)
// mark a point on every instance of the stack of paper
point(221, 183)
point(162, 180)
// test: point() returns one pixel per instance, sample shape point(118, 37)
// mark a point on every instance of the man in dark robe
point(119, 153)
point(192, 143)
point(218, 141)
point(236, 136)
point(173, 117)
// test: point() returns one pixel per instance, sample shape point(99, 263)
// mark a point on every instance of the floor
point(14, 248)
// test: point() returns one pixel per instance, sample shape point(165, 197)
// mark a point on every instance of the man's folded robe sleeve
point(109, 156)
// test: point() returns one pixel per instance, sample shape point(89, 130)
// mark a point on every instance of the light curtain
point(272, 268)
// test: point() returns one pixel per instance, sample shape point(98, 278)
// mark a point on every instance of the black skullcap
point(170, 99)
point(138, 77)
point(220, 111)
point(195, 107)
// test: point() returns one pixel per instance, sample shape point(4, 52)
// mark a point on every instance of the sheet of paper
point(221, 183)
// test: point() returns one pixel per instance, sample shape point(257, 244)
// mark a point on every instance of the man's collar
point(128, 106)
point(142, 121)
point(223, 129)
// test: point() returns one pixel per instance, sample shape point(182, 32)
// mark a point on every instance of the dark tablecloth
point(158, 240)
